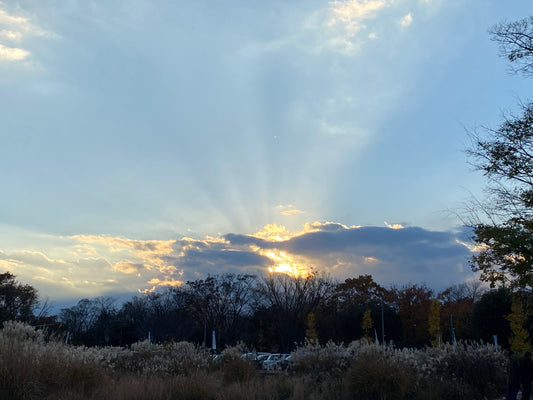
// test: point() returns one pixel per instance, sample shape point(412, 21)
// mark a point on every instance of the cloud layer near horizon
point(91, 265)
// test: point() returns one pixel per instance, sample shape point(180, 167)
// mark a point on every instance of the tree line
point(275, 312)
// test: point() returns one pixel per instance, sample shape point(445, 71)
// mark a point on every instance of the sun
point(284, 264)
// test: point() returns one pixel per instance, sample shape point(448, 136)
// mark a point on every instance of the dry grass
point(32, 369)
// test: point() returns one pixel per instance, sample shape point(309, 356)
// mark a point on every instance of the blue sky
point(146, 143)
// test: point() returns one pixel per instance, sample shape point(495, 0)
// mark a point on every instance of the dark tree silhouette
point(17, 301)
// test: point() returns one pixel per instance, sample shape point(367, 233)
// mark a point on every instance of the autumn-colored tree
point(367, 324)
point(519, 339)
point(311, 334)
point(413, 305)
point(360, 290)
point(434, 322)
point(458, 302)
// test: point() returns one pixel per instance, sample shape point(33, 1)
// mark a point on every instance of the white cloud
point(406, 20)
point(394, 226)
point(347, 18)
point(351, 14)
point(14, 29)
point(13, 36)
point(21, 26)
point(12, 53)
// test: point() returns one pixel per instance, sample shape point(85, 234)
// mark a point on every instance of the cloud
point(36, 258)
point(157, 283)
point(17, 26)
point(129, 267)
point(123, 265)
point(346, 18)
point(289, 210)
point(12, 53)
point(151, 251)
point(15, 29)
point(406, 20)
point(394, 226)
point(390, 255)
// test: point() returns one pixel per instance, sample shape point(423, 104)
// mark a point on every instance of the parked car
point(276, 361)
point(261, 357)
point(285, 364)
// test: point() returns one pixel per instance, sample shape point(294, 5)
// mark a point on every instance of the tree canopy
point(505, 156)
point(17, 301)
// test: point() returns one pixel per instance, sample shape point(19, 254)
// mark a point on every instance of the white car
point(274, 361)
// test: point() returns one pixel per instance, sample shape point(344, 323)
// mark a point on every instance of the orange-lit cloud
point(157, 283)
point(289, 210)
point(273, 232)
point(94, 265)
point(128, 267)
point(394, 226)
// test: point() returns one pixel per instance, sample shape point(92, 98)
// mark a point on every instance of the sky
point(144, 143)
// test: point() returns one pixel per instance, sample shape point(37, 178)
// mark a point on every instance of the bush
point(372, 377)
point(438, 389)
point(476, 366)
point(237, 370)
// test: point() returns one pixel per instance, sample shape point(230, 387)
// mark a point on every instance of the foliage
point(516, 43)
point(479, 367)
point(367, 324)
point(413, 303)
point(17, 301)
point(360, 290)
point(377, 378)
point(434, 322)
point(488, 316)
point(519, 340)
point(505, 156)
point(311, 334)
point(457, 303)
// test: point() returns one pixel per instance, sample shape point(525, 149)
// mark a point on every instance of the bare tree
point(290, 299)
point(516, 43)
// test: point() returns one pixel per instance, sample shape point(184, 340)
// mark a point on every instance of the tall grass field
point(34, 366)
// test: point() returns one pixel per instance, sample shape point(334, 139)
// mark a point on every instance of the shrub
point(477, 366)
point(237, 370)
point(199, 387)
point(374, 377)
point(438, 389)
